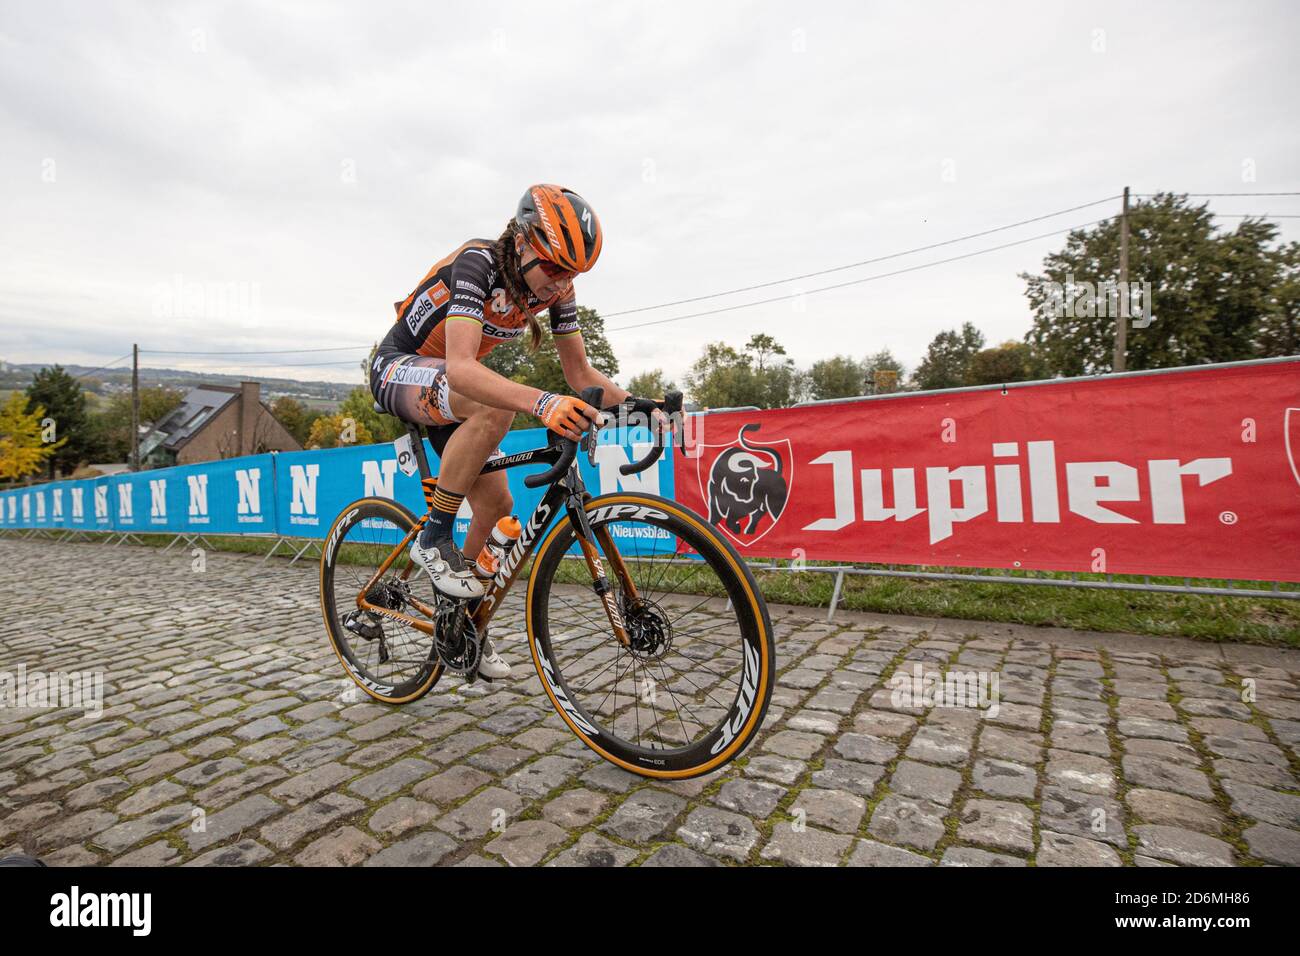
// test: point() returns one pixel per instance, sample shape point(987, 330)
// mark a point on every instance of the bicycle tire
point(387, 691)
point(745, 713)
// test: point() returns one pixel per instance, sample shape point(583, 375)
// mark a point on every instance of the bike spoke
point(685, 676)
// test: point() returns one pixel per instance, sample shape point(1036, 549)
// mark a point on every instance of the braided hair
point(507, 262)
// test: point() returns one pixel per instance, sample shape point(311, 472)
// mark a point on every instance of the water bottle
point(503, 537)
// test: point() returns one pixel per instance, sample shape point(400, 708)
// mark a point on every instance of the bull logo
point(747, 486)
point(1291, 433)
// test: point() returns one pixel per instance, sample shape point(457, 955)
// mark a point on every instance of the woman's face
point(545, 279)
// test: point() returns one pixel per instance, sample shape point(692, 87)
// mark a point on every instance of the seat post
point(417, 443)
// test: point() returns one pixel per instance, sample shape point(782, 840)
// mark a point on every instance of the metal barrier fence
point(296, 548)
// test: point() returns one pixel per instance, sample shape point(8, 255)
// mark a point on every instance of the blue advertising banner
point(79, 508)
point(102, 512)
point(60, 502)
point(296, 494)
point(84, 505)
point(34, 507)
point(148, 501)
point(312, 487)
point(87, 505)
point(233, 496)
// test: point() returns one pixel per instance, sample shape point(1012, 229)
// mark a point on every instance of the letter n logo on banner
point(378, 476)
point(250, 496)
point(198, 495)
point(304, 489)
point(124, 502)
point(157, 497)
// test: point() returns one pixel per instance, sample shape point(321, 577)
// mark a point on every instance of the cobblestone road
point(229, 737)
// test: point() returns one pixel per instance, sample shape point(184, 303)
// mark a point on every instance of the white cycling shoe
point(492, 666)
point(447, 570)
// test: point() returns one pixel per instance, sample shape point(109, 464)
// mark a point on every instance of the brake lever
point(590, 440)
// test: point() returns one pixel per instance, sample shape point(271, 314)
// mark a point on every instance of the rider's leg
point(481, 430)
point(415, 389)
point(491, 499)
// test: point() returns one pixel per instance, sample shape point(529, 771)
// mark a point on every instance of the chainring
point(457, 641)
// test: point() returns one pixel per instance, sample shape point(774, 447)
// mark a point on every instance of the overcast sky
point(315, 159)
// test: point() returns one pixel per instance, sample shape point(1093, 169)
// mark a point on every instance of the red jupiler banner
point(1190, 473)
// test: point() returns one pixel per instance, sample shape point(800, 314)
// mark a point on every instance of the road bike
point(663, 664)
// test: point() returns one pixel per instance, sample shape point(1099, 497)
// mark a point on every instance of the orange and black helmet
point(560, 226)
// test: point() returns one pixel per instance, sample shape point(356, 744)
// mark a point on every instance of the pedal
point(364, 624)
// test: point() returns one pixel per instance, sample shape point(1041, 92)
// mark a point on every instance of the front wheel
point(689, 690)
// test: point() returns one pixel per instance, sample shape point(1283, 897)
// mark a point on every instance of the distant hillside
point(110, 381)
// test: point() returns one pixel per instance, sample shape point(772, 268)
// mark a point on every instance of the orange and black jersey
point(467, 285)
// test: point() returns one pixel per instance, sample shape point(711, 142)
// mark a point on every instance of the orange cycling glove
point(564, 415)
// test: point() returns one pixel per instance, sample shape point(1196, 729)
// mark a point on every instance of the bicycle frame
point(568, 492)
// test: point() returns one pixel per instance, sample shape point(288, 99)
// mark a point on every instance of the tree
point(331, 431)
point(761, 375)
point(721, 378)
point(947, 358)
point(779, 383)
point(296, 417)
point(233, 445)
point(24, 449)
point(1279, 329)
point(360, 407)
point(541, 369)
point(651, 384)
point(1008, 362)
point(111, 429)
point(64, 401)
point(883, 373)
point(838, 377)
point(1209, 290)
point(763, 349)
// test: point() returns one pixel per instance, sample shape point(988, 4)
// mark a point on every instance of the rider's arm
point(471, 378)
point(470, 280)
point(580, 373)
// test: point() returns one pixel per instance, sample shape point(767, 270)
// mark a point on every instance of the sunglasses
point(549, 269)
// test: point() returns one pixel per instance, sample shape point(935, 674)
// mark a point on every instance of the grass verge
point(1245, 619)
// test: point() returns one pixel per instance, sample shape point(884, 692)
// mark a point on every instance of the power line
point(1207, 195)
point(280, 365)
point(841, 285)
point(764, 285)
point(295, 351)
point(864, 262)
point(101, 368)
point(713, 295)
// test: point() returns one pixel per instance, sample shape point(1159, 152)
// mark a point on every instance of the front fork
point(588, 538)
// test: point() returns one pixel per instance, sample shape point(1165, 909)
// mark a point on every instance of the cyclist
point(428, 368)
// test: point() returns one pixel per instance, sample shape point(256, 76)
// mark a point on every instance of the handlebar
point(671, 406)
point(568, 447)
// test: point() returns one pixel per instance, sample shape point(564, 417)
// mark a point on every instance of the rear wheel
point(690, 690)
point(390, 660)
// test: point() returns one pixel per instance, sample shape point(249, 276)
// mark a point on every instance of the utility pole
point(135, 407)
point(1121, 325)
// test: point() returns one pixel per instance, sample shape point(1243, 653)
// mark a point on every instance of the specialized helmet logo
point(560, 226)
